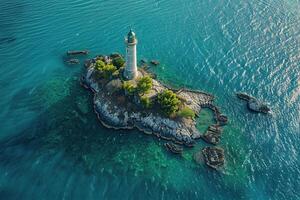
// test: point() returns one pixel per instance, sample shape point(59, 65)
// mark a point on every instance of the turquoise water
point(52, 146)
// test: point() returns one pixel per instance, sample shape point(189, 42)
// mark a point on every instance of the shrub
point(146, 102)
point(128, 87)
point(116, 74)
point(169, 102)
point(144, 84)
point(99, 65)
point(108, 70)
point(118, 62)
point(186, 112)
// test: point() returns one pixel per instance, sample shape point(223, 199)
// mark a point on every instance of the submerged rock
point(214, 157)
point(176, 149)
point(154, 62)
point(144, 61)
point(198, 157)
point(73, 61)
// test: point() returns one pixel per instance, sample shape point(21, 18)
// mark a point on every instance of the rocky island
point(127, 97)
point(253, 104)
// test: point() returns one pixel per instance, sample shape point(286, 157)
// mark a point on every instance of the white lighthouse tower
point(130, 71)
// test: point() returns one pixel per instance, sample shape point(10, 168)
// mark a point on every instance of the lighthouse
point(130, 71)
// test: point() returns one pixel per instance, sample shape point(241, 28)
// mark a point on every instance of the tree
point(144, 84)
point(169, 101)
point(186, 112)
point(118, 62)
point(128, 87)
point(108, 70)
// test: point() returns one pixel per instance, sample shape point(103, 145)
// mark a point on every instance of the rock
point(211, 137)
point(87, 62)
point(144, 61)
point(222, 119)
point(174, 148)
point(118, 111)
point(114, 85)
point(73, 61)
point(115, 55)
point(243, 96)
point(215, 128)
point(214, 157)
point(154, 62)
point(253, 104)
point(258, 106)
point(80, 52)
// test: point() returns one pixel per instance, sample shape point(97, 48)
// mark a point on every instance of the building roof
point(131, 38)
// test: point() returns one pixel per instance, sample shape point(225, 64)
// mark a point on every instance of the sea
point(52, 145)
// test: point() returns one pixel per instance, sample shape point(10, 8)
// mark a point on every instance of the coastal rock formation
point(115, 111)
point(176, 149)
point(213, 134)
point(253, 104)
point(80, 52)
point(213, 157)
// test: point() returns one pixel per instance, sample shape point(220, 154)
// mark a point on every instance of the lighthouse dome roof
point(131, 36)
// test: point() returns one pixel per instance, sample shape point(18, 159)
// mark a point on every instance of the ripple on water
point(219, 47)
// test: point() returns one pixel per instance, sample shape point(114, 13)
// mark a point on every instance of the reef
point(116, 109)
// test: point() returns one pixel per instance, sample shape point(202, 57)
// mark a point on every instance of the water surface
point(53, 147)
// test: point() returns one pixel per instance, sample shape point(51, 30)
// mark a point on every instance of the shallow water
point(53, 147)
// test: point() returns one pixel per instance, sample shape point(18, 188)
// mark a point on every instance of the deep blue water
point(51, 149)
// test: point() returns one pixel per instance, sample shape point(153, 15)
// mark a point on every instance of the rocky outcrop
point(213, 134)
point(176, 149)
point(80, 52)
point(213, 157)
point(258, 106)
point(114, 114)
point(220, 118)
point(253, 104)
point(117, 111)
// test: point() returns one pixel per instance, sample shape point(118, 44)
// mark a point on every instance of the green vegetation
point(100, 64)
point(169, 102)
point(129, 87)
point(146, 102)
point(106, 70)
point(116, 74)
point(144, 84)
point(186, 112)
point(118, 62)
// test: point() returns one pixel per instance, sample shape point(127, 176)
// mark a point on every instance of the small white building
point(130, 71)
